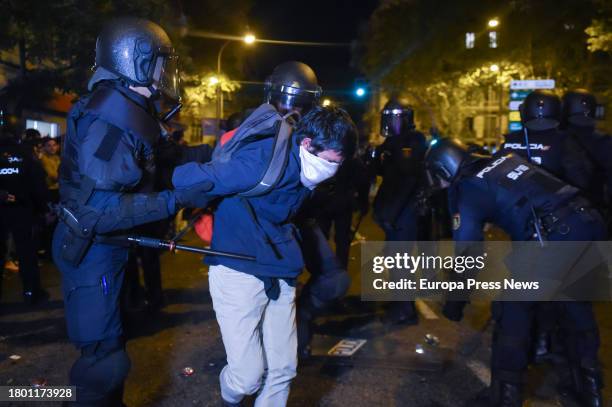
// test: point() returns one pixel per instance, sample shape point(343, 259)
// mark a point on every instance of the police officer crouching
point(400, 163)
point(107, 165)
point(482, 192)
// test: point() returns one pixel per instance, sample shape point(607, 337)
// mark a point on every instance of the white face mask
point(315, 169)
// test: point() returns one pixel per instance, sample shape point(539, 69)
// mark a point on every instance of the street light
point(213, 80)
point(326, 102)
point(249, 39)
point(494, 22)
point(494, 68)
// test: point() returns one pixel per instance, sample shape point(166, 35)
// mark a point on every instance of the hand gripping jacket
point(127, 123)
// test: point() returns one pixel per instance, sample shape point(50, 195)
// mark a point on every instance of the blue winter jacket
point(258, 226)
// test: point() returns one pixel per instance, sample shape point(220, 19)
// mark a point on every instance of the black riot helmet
point(541, 110)
point(293, 87)
point(444, 159)
point(140, 53)
point(396, 118)
point(579, 108)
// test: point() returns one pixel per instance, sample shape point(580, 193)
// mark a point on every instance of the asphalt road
point(386, 371)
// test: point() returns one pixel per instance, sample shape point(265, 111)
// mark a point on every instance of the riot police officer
point(105, 190)
point(482, 192)
point(578, 118)
point(25, 196)
point(400, 163)
point(543, 143)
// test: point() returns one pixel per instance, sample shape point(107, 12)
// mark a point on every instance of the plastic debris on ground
point(432, 340)
point(14, 358)
point(187, 371)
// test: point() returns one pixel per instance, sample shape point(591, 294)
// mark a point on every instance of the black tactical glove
point(453, 310)
point(196, 196)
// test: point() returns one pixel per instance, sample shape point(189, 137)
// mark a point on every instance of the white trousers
point(259, 336)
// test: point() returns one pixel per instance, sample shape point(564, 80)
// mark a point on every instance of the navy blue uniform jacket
point(270, 236)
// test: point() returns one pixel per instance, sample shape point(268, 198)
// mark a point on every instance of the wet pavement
point(386, 371)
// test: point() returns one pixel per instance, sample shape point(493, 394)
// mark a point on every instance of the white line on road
point(480, 370)
point(425, 310)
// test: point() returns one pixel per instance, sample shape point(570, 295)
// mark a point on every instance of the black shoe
point(228, 404)
point(586, 385)
point(500, 394)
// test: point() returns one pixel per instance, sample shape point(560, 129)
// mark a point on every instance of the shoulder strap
point(277, 164)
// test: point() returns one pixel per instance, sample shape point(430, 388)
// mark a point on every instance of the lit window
point(470, 38)
point(49, 129)
point(492, 39)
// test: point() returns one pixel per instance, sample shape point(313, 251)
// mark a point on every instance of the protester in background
point(50, 160)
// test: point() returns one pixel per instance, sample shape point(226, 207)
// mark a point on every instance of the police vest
point(124, 117)
point(522, 189)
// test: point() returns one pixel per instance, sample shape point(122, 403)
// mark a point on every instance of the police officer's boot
point(500, 394)
point(586, 384)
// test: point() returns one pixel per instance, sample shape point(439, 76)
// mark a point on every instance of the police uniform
point(395, 205)
point(106, 180)
point(506, 191)
point(22, 176)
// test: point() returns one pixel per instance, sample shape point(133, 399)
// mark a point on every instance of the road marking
point(425, 310)
point(480, 370)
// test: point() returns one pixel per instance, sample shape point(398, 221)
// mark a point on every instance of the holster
point(79, 236)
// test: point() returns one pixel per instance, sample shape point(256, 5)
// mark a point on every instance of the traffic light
point(360, 91)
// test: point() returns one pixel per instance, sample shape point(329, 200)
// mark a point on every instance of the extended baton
point(172, 246)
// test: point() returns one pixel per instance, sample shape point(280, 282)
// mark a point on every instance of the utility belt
point(554, 222)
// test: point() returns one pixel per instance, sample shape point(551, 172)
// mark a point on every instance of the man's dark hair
point(329, 128)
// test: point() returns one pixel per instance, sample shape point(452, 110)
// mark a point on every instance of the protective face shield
point(140, 53)
point(579, 108)
point(166, 79)
point(541, 110)
point(292, 87)
point(395, 119)
point(315, 169)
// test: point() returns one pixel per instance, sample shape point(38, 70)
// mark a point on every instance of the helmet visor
point(166, 76)
point(291, 99)
point(391, 123)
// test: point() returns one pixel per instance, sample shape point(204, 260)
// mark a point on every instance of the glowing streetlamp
point(326, 102)
point(249, 39)
point(213, 80)
point(494, 22)
point(494, 68)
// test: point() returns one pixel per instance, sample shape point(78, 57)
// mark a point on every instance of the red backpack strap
point(227, 136)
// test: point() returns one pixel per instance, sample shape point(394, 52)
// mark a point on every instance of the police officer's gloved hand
point(453, 310)
point(196, 196)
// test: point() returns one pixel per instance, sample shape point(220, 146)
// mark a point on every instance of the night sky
point(315, 20)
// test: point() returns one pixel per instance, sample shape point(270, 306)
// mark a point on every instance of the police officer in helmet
point(399, 160)
point(481, 191)
point(578, 118)
point(108, 163)
point(543, 143)
point(292, 88)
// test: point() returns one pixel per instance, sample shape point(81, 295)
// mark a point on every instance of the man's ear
point(306, 142)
